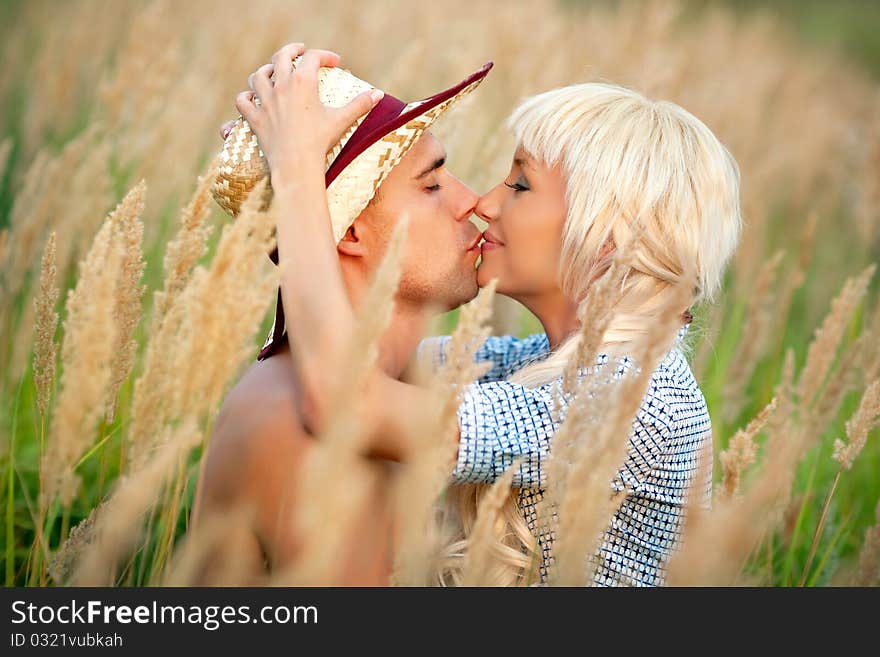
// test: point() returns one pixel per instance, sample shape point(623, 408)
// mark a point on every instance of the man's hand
point(292, 126)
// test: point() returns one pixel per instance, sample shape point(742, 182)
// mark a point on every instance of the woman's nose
point(487, 206)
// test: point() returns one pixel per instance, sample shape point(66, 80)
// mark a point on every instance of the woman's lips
point(490, 243)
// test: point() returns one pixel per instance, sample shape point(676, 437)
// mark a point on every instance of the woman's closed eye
point(433, 188)
point(521, 185)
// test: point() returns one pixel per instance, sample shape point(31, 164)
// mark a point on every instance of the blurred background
point(99, 95)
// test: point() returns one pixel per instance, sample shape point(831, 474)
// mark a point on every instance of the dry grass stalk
point(479, 557)
point(839, 384)
point(601, 298)
point(756, 57)
point(866, 417)
point(78, 540)
point(828, 336)
point(794, 280)
point(871, 357)
point(786, 431)
point(755, 336)
point(869, 557)
point(586, 506)
point(784, 397)
point(741, 452)
point(21, 340)
point(716, 545)
point(704, 331)
point(208, 343)
point(91, 186)
point(333, 468)
point(24, 228)
point(218, 338)
point(45, 199)
point(27, 220)
point(210, 340)
point(433, 430)
point(186, 248)
point(129, 290)
point(45, 351)
point(5, 153)
point(66, 84)
point(210, 554)
point(51, 210)
point(119, 525)
point(4, 246)
point(89, 333)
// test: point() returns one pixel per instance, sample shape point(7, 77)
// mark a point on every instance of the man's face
point(442, 245)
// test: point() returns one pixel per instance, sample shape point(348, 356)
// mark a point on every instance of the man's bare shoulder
point(264, 396)
point(253, 433)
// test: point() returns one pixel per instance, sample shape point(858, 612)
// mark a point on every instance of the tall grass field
point(130, 303)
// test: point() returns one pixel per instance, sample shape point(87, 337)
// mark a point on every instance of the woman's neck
point(556, 313)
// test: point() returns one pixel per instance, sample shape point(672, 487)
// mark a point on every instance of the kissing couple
point(597, 169)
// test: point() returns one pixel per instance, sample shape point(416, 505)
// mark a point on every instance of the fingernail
point(376, 95)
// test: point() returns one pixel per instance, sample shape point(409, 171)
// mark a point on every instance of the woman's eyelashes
point(521, 185)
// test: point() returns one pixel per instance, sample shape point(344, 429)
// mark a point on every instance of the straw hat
point(356, 165)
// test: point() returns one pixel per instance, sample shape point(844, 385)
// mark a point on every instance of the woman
point(592, 161)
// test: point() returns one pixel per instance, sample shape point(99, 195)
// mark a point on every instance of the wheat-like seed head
point(89, 333)
point(44, 328)
point(742, 450)
point(823, 349)
point(866, 417)
point(126, 219)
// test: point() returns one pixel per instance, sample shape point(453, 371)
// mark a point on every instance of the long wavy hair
point(630, 164)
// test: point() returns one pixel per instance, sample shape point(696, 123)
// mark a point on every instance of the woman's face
point(523, 242)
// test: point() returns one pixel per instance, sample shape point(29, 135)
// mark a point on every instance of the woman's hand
point(226, 128)
point(293, 127)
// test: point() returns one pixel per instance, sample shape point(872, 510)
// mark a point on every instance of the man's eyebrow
point(436, 164)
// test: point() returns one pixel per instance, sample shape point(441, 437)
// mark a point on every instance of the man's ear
point(352, 243)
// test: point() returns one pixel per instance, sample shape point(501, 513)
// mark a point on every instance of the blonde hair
point(639, 172)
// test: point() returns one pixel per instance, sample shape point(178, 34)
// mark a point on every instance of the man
point(260, 440)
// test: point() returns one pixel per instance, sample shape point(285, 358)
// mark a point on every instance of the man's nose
point(469, 199)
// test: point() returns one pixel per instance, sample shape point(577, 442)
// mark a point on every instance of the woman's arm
point(325, 323)
point(295, 151)
point(506, 353)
